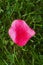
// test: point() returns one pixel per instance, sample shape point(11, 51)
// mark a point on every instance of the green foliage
point(32, 12)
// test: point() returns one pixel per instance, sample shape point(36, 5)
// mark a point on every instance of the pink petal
point(20, 32)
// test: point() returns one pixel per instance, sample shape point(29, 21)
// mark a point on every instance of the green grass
point(32, 12)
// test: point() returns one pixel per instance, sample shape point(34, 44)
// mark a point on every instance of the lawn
point(32, 12)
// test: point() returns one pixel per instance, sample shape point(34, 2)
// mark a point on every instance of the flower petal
point(20, 32)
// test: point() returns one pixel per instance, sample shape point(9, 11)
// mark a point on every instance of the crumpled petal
point(20, 32)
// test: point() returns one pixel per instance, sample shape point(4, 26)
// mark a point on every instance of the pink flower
point(20, 32)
